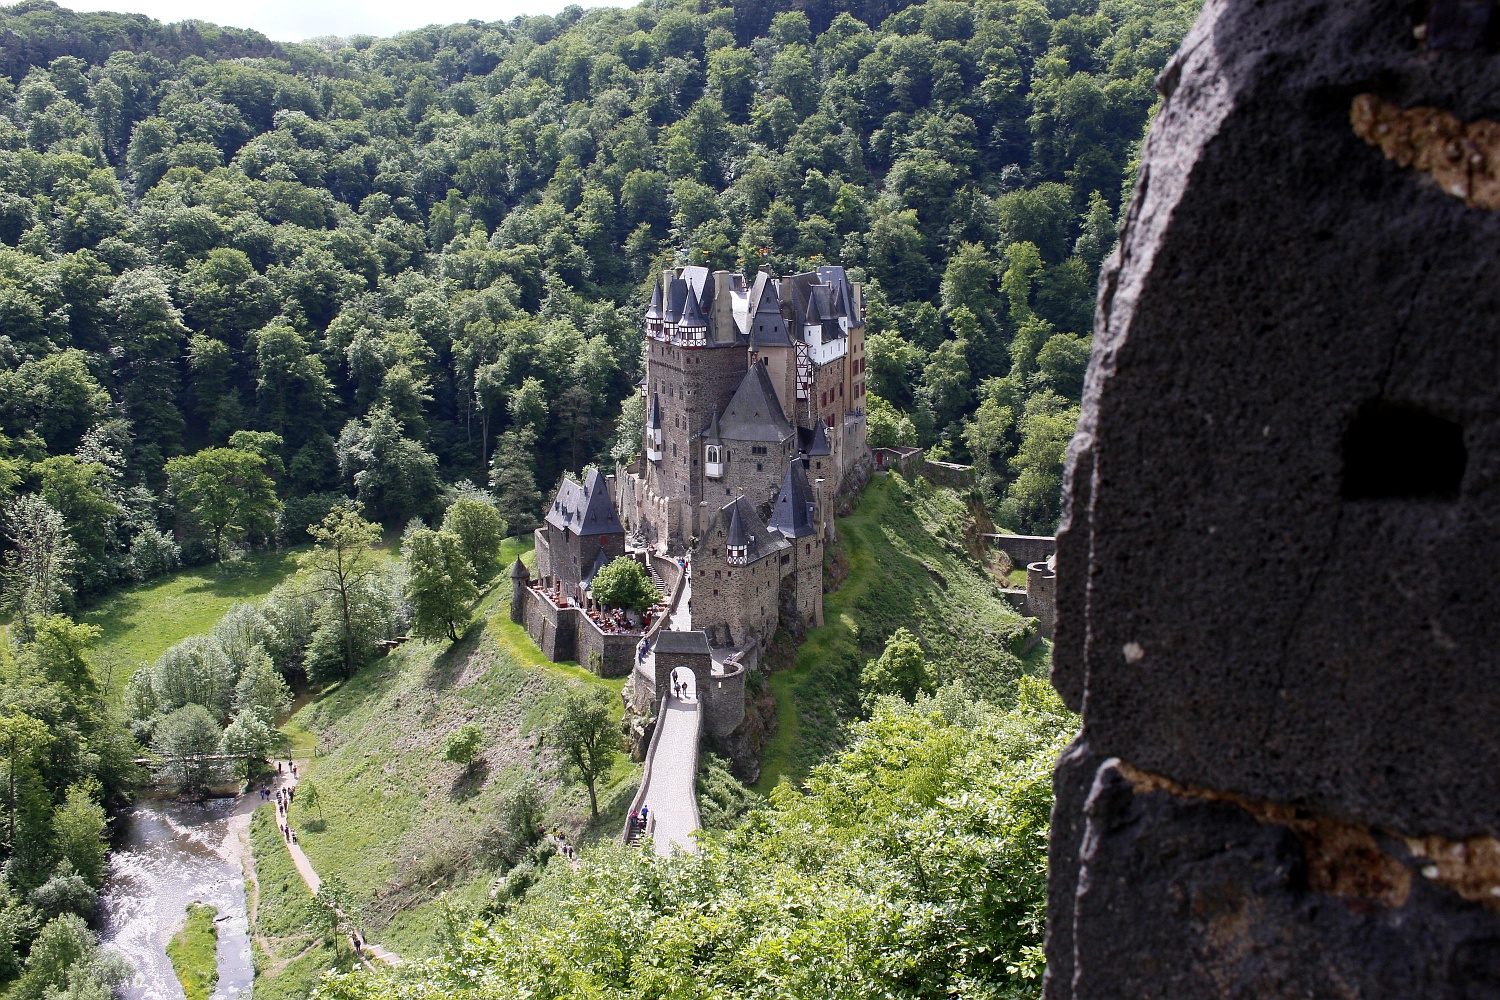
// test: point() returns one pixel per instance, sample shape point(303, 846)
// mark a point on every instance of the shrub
point(624, 583)
point(463, 744)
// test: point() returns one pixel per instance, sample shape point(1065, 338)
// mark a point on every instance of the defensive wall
point(1023, 549)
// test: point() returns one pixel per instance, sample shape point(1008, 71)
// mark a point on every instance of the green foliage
point(624, 583)
point(194, 952)
point(228, 491)
point(80, 825)
point(480, 530)
point(462, 746)
point(440, 583)
point(912, 864)
point(908, 568)
point(187, 740)
point(900, 670)
point(398, 262)
point(588, 738)
point(341, 562)
point(723, 802)
point(251, 740)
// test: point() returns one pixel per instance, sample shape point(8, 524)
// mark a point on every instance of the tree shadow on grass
point(448, 665)
point(469, 781)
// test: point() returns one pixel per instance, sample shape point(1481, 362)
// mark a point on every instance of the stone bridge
point(713, 700)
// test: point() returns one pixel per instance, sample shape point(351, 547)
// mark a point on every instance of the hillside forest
point(258, 295)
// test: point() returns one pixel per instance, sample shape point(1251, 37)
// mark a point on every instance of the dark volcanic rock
point(1276, 571)
point(1280, 573)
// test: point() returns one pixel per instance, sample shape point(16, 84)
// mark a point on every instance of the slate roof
point(737, 536)
point(653, 419)
point(586, 509)
point(767, 326)
point(754, 412)
point(600, 561)
point(692, 312)
point(682, 642)
point(794, 513)
point(654, 310)
point(677, 294)
point(743, 526)
point(814, 443)
point(711, 432)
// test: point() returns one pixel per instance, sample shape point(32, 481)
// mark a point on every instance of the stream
point(169, 854)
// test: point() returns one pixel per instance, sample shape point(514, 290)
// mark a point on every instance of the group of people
point(612, 622)
point(284, 798)
point(679, 688)
point(638, 820)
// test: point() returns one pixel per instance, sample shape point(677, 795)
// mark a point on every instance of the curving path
point(371, 951)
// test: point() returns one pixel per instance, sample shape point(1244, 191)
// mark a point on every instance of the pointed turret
point(767, 326)
point(795, 512)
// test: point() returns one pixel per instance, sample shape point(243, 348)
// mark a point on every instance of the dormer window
point(654, 444)
point(713, 461)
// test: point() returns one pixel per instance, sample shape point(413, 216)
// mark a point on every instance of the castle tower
point(692, 369)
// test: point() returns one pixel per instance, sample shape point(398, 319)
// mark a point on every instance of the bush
point(463, 744)
point(153, 554)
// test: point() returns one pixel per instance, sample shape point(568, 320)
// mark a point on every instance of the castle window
point(712, 460)
point(757, 467)
point(716, 593)
point(729, 573)
point(718, 574)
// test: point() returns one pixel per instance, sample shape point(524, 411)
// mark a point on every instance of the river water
point(168, 855)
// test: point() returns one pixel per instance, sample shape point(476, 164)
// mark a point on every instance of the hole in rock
point(1403, 452)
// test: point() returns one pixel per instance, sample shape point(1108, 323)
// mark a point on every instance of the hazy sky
point(295, 20)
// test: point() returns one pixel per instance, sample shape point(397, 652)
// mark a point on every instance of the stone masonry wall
point(616, 652)
point(692, 385)
point(554, 630)
point(741, 598)
point(724, 700)
point(1287, 782)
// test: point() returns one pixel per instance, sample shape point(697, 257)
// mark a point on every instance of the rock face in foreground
point(1277, 570)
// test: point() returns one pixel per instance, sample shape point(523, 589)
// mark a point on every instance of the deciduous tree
point(588, 738)
point(440, 583)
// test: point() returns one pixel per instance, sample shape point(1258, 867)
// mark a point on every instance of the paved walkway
point(310, 874)
point(674, 778)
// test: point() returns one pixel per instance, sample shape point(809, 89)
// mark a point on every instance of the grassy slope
point(141, 622)
point(290, 952)
point(907, 566)
point(398, 824)
point(194, 951)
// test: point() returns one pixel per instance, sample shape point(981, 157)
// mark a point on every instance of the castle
point(754, 422)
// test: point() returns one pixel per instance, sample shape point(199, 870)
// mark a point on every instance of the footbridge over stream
point(695, 689)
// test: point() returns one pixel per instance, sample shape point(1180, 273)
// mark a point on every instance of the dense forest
point(243, 282)
point(422, 259)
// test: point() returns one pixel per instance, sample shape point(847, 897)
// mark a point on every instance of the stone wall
point(755, 476)
point(1287, 781)
point(948, 473)
point(692, 384)
point(907, 461)
point(553, 629)
point(1041, 597)
point(739, 598)
point(616, 651)
point(1023, 549)
point(723, 699)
